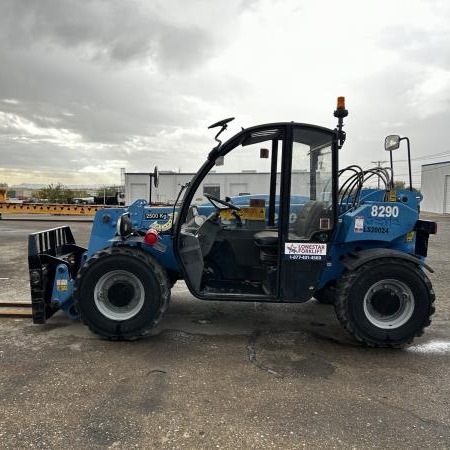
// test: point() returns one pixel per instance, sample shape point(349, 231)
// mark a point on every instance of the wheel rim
point(389, 304)
point(119, 295)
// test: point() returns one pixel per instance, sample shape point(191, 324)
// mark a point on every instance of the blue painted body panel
point(143, 217)
point(365, 228)
point(62, 290)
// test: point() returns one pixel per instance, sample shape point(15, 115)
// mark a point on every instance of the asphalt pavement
point(219, 375)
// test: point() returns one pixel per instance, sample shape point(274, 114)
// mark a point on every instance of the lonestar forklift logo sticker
point(305, 251)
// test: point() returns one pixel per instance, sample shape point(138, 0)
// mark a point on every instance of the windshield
point(312, 167)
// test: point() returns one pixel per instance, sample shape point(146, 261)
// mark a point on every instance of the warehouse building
point(140, 186)
point(220, 184)
point(435, 187)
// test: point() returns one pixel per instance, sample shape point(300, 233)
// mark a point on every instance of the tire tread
point(145, 259)
point(348, 279)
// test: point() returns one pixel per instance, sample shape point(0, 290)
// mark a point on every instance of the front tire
point(121, 293)
point(385, 303)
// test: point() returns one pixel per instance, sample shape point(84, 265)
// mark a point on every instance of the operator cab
point(257, 217)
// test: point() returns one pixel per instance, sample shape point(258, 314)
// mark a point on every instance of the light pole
point(378, 163)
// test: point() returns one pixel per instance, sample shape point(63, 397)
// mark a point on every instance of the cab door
point(219, 251)
point(308, 210)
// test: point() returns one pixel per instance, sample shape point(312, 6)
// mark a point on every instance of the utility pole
point(378, 163)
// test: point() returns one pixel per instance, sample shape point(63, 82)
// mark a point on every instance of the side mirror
point(392, 142)
point(156, 177)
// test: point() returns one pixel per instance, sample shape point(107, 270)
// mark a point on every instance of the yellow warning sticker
point(246, 212)
point(393, 195)
point(164, 226)
point(62, 285)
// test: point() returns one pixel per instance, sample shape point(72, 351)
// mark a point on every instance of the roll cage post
point(273, 183)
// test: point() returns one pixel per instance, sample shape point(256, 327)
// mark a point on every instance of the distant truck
point(83, 200)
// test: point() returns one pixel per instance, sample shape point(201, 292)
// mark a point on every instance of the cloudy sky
point(88, 87)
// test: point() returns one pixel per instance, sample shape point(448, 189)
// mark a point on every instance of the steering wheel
point(213, 199)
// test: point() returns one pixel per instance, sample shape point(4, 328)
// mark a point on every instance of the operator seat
point(307, 223)
point(308, 220)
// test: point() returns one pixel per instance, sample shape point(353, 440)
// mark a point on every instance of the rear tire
point(121, 293)
point(385, 303)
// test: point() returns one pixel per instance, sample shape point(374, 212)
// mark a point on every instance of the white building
point(220, 184)
point(138, 185)
point(435, 187)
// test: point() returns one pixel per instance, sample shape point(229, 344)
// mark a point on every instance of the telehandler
point(342, 236)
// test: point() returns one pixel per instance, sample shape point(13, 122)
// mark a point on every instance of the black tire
point(385, 303)
point(173, 277)
point(326, 295)
point(121, 293)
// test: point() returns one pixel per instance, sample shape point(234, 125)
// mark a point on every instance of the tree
point(54, 194)
point(3, 189)
point(110, 191)
point(402, 185)
point(80, 194)
point(399, 184)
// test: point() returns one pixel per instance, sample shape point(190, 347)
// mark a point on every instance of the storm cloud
point(89, 87)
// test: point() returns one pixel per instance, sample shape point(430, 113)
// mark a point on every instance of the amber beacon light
point(340, 113)
point(341, 103)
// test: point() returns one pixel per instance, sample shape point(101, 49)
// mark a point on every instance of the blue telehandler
point(343, 236)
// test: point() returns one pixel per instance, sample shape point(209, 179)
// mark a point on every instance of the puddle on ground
point(433, 347)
